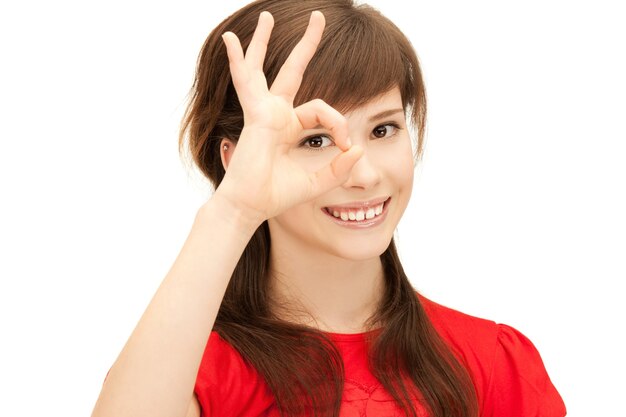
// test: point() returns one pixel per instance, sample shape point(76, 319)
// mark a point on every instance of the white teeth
point(357, 214)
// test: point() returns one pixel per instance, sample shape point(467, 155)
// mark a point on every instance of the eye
point(386, 130)
point(316, 142)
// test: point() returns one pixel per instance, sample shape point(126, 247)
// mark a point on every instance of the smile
point(363, 214)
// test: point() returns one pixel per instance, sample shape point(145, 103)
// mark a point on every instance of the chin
point(359, 251)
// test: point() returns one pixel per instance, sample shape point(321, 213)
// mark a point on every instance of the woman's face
point(356, 220)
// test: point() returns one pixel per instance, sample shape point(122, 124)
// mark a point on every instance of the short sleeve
point(519, 385)
point(226, 385)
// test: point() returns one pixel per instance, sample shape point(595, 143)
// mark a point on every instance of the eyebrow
point(384, 114)
point(375, 117)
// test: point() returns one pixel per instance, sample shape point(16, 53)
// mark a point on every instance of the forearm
point(155, 373)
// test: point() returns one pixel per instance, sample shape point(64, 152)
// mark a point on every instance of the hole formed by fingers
point(318, 113)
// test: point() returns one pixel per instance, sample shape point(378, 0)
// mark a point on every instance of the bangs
point(357, 60)
point(361, 55)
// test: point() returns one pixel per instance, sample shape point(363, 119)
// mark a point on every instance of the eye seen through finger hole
point(317, 142)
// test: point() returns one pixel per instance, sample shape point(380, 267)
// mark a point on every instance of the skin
point(268, 177)
point(333, 272)
point(261, 177)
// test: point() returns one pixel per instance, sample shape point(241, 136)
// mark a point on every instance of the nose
point(364, 174)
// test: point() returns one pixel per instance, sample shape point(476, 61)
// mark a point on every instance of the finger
point(255, 54)
point(289, 77)
point(238, 69)
point(337, 172)
point(317, 114)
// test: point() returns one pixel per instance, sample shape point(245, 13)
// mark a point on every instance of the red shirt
point(509, 375)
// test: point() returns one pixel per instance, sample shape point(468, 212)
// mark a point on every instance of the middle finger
point(255, 54)
point(289, 77)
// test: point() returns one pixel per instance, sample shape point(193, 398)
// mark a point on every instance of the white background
point(517, 214)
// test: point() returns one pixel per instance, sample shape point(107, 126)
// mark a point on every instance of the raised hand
point(261, 177)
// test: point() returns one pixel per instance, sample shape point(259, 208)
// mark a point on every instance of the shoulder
point(225, 377)
point(461, 330)
point(507, 369)
point(474, 340)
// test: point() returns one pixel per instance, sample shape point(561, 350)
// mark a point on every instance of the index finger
point(317, 113)
point(289, 77)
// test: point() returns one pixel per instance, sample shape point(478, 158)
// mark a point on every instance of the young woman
point(288, 297)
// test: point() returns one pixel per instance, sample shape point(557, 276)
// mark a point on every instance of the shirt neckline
point(351, 337)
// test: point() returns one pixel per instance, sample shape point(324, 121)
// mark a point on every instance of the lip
point(360, 204)
point(363, 224)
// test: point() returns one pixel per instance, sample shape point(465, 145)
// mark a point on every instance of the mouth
point(363, 214)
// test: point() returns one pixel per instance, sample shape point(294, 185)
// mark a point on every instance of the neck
point(314, 288)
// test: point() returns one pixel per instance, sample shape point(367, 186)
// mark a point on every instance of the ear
point(226, 152)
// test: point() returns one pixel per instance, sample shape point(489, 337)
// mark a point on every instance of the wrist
point(220, 208)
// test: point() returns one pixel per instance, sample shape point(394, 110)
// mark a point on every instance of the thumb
point(337, 172)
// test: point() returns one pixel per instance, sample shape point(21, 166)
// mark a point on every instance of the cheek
point(295, 221)
point(397, 160)
point(291, 215)
point(313, 161)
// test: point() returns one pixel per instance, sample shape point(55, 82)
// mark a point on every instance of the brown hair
point(361, 55)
